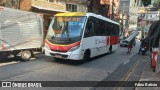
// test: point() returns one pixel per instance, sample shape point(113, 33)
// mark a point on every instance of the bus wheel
point(110, 50)
point(26, 55)
point(154, 69)
point(86, 56)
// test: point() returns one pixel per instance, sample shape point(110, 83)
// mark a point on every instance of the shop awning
point(48, 9)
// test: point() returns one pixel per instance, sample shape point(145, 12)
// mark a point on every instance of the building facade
point(146, 17)
point(112, 7)
point(48, 8)
point(124, 16)
point(133, 14)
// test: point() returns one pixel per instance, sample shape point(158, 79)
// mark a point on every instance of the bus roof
point(101, 17)
point(71, 14)
point(86, 14)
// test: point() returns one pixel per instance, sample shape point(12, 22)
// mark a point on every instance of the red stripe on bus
point(107, 40)
point(112, 40)
point(1, 9)
point(61, 47)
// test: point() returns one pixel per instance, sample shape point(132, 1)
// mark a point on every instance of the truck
point(21, 32)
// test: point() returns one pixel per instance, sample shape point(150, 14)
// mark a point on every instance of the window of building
point(146, 16)
point(51, 0)
point(71, 7)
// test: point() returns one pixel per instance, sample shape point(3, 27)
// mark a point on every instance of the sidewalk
point(149, 75)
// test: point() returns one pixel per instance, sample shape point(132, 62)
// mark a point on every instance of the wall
point(26, 5)
point(80, 7)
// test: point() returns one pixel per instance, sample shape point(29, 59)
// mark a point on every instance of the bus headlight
point(73, 48)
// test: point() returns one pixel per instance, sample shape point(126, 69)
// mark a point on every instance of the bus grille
point(61, 55)
point(59, 51)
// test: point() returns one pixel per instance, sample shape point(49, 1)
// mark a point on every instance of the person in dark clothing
point(142, 43)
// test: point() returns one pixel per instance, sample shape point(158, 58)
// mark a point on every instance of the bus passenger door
point(89, 37)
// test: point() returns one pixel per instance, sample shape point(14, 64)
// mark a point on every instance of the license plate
point(58, 56)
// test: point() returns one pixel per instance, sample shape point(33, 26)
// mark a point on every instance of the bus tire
point(86, 56)
point(110, 50)
point(26, 55)
point(56, 59)
point(154, 69)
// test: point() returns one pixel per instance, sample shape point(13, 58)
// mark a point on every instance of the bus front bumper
point(75, 55)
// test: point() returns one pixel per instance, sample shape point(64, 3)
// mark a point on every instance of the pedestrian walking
point(130, 46)
point(141, 44)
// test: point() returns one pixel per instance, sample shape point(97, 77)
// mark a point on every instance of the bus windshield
point(66, 27)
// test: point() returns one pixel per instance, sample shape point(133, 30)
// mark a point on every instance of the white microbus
point(81, 36)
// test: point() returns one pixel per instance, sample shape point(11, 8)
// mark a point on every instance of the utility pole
point(19, 4)
point(112, 10)
point(122, 20)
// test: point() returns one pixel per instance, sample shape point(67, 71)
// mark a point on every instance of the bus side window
point(116, 30)
point(97, 29)
point(106, 28)
point(100, 27)
point(89, 31)
point(111, 30)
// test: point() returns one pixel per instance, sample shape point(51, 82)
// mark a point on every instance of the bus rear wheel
point(110, 50)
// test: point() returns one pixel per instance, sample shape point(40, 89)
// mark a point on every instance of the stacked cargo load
point(19, 31)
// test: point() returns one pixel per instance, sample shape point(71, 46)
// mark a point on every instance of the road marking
point(8, 63)
point(31, 72)
point(128, 74)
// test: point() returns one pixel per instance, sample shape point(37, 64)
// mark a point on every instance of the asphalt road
point(47, 69)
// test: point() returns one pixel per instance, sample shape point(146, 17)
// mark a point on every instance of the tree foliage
point(94, 6)
point(146, 2)
point(156, 4)
point(11, 3)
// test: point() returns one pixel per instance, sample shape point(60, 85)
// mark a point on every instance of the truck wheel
point(26, 55)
